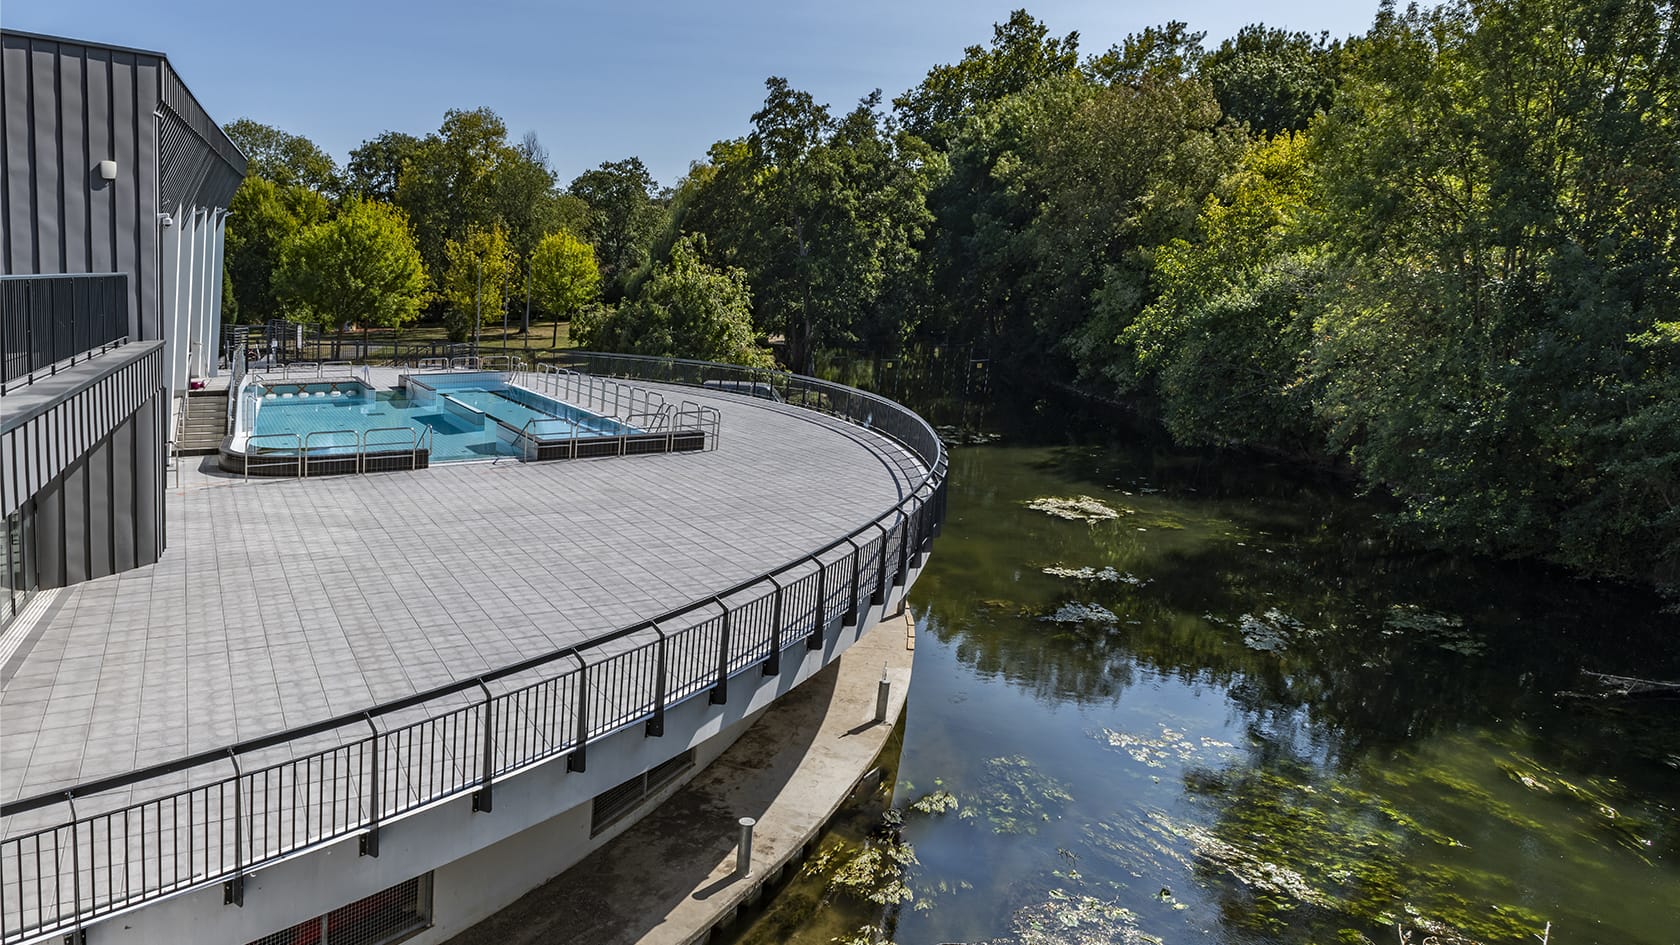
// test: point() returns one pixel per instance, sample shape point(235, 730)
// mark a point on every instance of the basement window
point(383, 918)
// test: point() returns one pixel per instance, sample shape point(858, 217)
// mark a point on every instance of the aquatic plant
point(1065, 918)
point(1107, 575)
point(1082, 613)
point(1082, 508)
point(1272, 632)
point(1015, 797)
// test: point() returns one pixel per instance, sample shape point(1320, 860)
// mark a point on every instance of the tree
point(622, 218)
point(262, 216)
point(1022, 54)
point(448, 185)
point(284, 158)
point(477, 280)
point(1273, 79)
point(1229, 338)
point(1500, 194)
point(687, 309)
point(564, 276)
point(362, 266)
point(376, 167)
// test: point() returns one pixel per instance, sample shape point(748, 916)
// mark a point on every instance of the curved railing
point(214, 816)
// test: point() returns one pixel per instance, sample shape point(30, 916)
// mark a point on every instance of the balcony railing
point(49, 322)
point(101, 847)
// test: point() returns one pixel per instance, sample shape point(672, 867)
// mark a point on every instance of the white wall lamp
point(108, 170)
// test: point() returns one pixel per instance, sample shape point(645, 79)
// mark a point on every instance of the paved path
point(283, 602)
point(671, 877)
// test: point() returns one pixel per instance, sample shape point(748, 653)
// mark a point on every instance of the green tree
point(687, 309)
point(1022, 53)
point(1273, 79)
point(263, 216)
point(1228, 340)
point(1500, 192)
point(564, 276)
point(622, 220)
point(360, 267)
point(478, 279)
point(376, 167)
point(449, 186)
point(284, 158)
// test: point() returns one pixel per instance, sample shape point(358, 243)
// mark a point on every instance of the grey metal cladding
point(66, 105)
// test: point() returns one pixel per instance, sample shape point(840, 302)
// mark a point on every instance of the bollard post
point(743, 852)
point(881, 694)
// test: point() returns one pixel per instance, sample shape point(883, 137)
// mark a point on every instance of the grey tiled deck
point(284, 602)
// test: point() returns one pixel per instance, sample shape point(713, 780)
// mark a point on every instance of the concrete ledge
point(671, 878)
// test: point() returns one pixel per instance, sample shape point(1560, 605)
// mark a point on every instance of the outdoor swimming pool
point(454, 419)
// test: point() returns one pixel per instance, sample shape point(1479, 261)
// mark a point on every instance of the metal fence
point(52, 321)
point(108, 845)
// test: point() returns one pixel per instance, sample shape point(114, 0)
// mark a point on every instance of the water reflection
point(1291, 728)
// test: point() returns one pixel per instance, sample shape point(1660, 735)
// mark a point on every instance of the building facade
point(114, 205)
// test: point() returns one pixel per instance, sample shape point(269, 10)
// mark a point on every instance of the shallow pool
point(380, 419)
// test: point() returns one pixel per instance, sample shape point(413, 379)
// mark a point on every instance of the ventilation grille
point(381, 919)
point(612, 804)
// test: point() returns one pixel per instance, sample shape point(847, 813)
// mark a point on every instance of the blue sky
point(597, 81)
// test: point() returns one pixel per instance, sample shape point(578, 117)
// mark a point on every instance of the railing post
point(820, 619)
point(773, 662)
point(880, 595)
point(578, 759)
point(720, 689)
point(369, 843)
point(904, 549)
point(75, 872)
point(482, 800)
point(851, 614)
point(656, 721)
point(233, 891)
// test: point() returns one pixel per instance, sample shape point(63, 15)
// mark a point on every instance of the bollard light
point(881, 695)
point(743, 852)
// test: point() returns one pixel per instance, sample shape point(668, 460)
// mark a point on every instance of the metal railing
point(297, 451)
point(49, 321)
point(214, 816)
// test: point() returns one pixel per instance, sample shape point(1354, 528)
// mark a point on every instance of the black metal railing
point(47, 322)
point(115, 843)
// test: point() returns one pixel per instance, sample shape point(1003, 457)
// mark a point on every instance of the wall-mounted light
point(108, 170)
point(165, 219)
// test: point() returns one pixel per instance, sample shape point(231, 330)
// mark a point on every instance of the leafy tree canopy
point(284, 158)
point(361, 267)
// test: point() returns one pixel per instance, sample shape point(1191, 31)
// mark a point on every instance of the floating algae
point(1173, 745)
point(1082, 508)
point(1015, 797)
point(1065, 918)
point(1106, 575)
point(937, 802)
point(1272, 632)
point(1082, 613)
point(1441, 630)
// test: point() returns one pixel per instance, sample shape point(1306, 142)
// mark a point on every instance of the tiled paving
point(284, 602)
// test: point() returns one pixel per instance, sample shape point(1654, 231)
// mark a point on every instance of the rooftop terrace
point(280, 603)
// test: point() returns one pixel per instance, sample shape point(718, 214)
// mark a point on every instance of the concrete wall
point(484, 861)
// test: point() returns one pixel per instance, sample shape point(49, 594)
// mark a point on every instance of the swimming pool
point(340, 425)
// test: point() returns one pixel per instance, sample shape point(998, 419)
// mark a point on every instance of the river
point(1240, 711)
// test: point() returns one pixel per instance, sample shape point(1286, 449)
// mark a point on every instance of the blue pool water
point(327, 421)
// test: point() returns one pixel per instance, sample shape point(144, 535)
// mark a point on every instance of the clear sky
point(596, 81)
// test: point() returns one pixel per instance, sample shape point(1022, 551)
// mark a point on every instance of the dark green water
point(1294, 729)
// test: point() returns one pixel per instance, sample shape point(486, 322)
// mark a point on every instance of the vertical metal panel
point(123, 470)
point(100, 502)
point(145, 118)
point(19, 217)
point(49, 208)
point(79, 174)
point(125, 196)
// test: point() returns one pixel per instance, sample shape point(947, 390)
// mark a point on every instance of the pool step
point(205, 423)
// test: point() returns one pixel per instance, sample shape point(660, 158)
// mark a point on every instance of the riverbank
point(672, 877)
